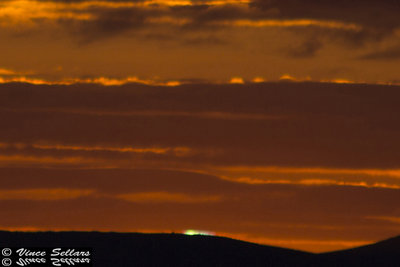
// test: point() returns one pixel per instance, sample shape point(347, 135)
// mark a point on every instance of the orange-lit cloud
point(6, 72)
point(98, 80)
point(258, 80)
point(294, 23)
point(18, 11)
point(9, 76)
point(288, 77)
point(314, 182)
point(273, 169)
point(26, 12)
point(262, 175)
point(175, 150)
point(22, 229)
point(237, 80)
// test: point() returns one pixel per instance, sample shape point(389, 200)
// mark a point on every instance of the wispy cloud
point(155, 150)
point(313, 182)
point(43, 160)
point(44, 194)
point(168, 197)
point(388, 54)
point(17, 77)
point(7, 72)
point(159, 113)
point(369, 178)
point(391, 219)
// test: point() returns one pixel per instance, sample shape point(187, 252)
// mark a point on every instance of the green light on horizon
point(196, 232)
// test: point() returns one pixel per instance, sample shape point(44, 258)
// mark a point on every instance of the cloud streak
point(100, 19)
point(389, 54)
point(44, 194)
point(191, 200)
point(166, 197)
point(154, 150)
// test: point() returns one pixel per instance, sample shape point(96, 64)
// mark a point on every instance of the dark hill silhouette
point(384, 253)
point(136, 249)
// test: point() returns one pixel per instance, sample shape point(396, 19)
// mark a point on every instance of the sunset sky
point(271, 121)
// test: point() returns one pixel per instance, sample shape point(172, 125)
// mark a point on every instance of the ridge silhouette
point(138, 249)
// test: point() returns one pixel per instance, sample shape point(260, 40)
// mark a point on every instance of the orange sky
point(269, 121)
point(200, 40)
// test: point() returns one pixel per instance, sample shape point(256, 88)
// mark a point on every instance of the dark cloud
point(206, 18)
point(316, 38)
point(304, 124)
point(392, 53)
point(306, 49)
point(207, 40)
point(374, 13)
point(374, 20)
point(377, 19)
point(106, 23)
point(109, 22)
